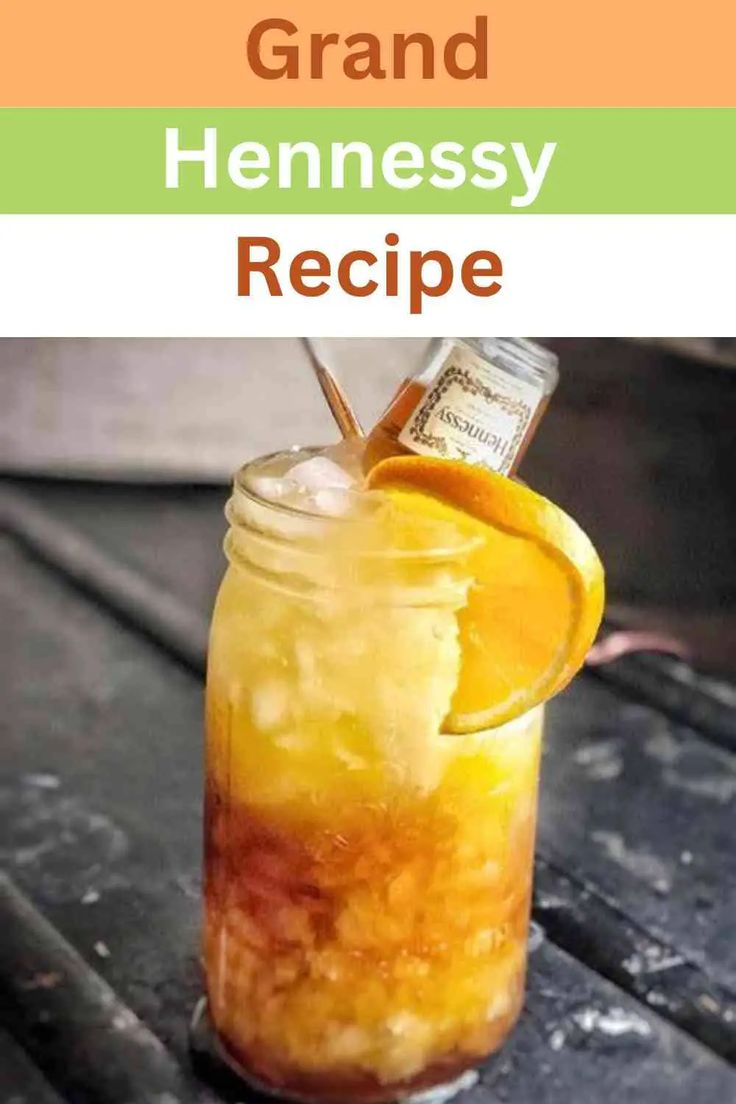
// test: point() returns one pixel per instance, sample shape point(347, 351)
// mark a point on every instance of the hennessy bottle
point(477, 399)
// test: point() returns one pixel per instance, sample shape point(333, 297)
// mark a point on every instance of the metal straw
point(337, 400)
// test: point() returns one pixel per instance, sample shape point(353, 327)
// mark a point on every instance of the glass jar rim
point(322, 521)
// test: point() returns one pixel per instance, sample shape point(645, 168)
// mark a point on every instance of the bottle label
point(474, 411)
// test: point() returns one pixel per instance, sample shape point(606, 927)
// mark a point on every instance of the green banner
point(450, 161)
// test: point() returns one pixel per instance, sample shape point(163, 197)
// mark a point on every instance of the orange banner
point(543, 53)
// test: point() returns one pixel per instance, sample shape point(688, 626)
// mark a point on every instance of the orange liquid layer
point(383, 957)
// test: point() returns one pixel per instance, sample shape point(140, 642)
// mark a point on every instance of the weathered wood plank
point(130, 594)
point(72, 1023)
point(642, 809)
point(674, 689)
point(20, 1080)
point(172, 534)
point(595, 930)
point(101, 825)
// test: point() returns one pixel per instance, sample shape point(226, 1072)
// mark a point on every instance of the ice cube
point(271, 487)
point(334, 501)
point(315, 484)
point(319, 473)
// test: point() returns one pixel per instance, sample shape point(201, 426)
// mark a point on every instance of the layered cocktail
point(372, 764)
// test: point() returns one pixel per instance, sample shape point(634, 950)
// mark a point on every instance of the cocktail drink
point(369, 838)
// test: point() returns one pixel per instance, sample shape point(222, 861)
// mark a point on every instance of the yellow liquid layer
point(368, 879)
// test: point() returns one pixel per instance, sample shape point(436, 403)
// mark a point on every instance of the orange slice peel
point(536, 599)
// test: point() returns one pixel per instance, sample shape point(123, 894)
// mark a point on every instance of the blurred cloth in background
point(176, 409)
point(638, 442)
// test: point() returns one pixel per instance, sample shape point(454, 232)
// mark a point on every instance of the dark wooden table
point(104, 599)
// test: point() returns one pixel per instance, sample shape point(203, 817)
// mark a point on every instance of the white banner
point(177, 275)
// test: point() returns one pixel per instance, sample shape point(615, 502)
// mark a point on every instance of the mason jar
point(367, 877)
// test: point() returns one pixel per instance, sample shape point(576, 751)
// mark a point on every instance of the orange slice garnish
point(537, 595)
